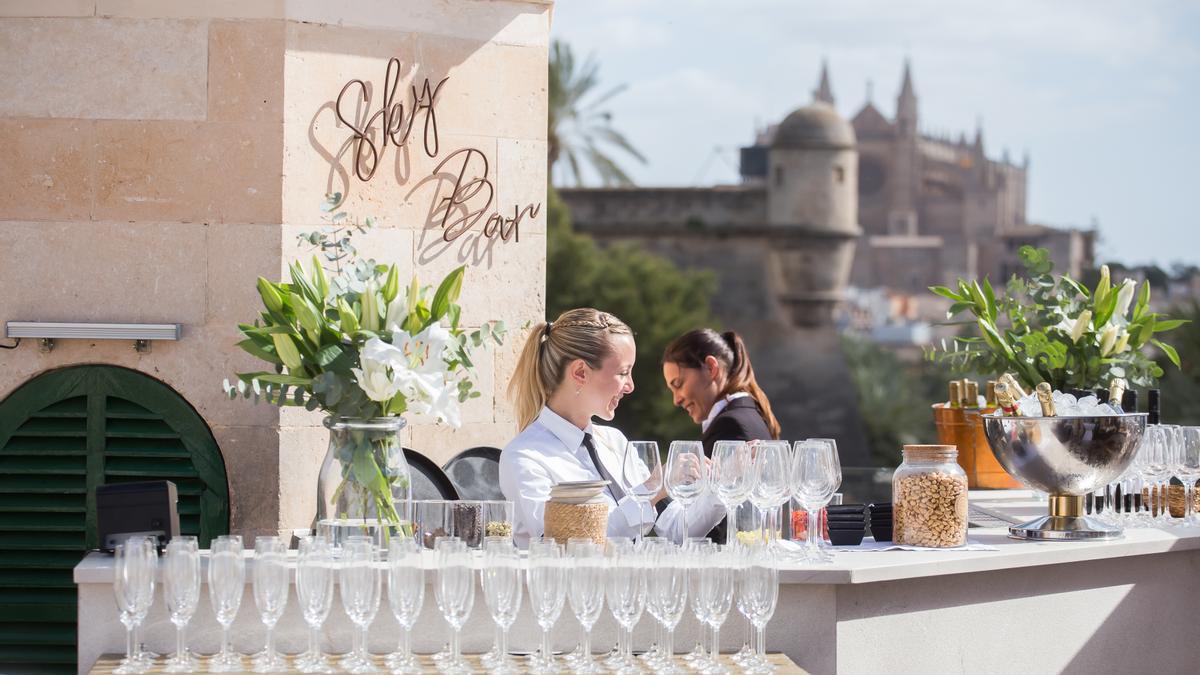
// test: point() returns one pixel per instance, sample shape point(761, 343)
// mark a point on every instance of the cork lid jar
point(929, 498)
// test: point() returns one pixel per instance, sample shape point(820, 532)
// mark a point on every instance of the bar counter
point(1029, 607)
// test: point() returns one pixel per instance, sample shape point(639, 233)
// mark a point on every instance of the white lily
point(1122, 343)
point(381, 374)
point(1108, 339)
point(1124, 299)
point(1076, 327)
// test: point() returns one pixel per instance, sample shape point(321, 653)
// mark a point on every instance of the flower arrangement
point(344, 337)
point(1050, 328)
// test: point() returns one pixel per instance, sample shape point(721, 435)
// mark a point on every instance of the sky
point(1104, 96)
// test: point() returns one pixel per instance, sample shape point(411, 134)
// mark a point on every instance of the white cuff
point(637, 513)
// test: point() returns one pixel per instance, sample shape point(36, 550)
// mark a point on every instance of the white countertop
point(861, 567)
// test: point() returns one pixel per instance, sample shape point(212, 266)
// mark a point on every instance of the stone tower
point(906, 171)
point(812, 200)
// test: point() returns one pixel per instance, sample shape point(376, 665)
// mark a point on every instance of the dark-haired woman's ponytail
point(741, 378)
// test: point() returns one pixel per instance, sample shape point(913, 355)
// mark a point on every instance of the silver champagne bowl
point(1066, 457)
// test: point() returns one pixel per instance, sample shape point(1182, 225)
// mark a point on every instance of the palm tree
point(578, 126)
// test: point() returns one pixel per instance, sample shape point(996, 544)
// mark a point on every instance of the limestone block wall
point(161, 155)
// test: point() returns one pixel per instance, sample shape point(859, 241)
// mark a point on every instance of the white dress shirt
point(718, 407)
point(551, 450)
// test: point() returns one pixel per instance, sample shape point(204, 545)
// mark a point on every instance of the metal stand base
point(1065, 528)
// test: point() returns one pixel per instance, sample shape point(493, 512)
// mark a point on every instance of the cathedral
point(933, 208)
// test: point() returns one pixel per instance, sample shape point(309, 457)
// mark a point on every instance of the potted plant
point(346, 338)
point(1050, 328)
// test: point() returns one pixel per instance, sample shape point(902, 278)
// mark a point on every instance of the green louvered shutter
point(62, 434)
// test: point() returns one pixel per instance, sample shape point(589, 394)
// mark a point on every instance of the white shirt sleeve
point(702, 516)
point(526, 483)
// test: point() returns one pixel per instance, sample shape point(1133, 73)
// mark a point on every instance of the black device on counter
point(146, 508)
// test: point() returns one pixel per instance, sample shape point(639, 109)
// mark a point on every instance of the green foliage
point(579, 126)
point(657, 300)
point(1181, 387)
point(1049, 328)
point(895, 392)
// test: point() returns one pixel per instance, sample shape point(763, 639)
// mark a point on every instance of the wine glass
point(361, 586)
point(666, 587)
point(731, 475)
point(771, 487)
point(270, 596)
point(134, 563)
point(181, 590)
point(814, 480)
point(1189, 471)
point(226, 584)
point(586, 593)
point(547, 583)
point(642, 470)
point(406, 595)
point(455, 595)
point(687, 476)
point(314, 590)
point(626, 595)
point(501, 581)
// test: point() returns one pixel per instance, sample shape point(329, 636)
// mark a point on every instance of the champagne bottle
point(1116, 393)
point(955, 394)
point(990, 393)
point(1014, 386)
point(1045, 396)
point(1129, 402)
point(1006, 400)
point(1153, 401)
point(970, 394)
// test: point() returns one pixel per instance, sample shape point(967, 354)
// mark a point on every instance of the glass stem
point(760, 639)
point(812, 534)
point(129, 643)
point(455, 649)
point(745, 633)
point(629, 644)
point(587, 644)
point(668, 646)
point(271, 642)
point(502, 653)
point(546, 646)
point(137, 637)
point(314, 641)
point(716, 642)
point(362, 643)
point(179, 648)
point(686, 532)
point(730, 530)
point(224, 640)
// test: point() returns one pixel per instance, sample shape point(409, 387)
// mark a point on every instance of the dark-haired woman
point(711, 379)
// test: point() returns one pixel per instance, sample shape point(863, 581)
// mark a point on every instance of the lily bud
point(287, 352)
point(1081, 325)
point(1108, 338)
point(270, 295)
point(1122, 343)
point(370, 308)
point(1125, 297)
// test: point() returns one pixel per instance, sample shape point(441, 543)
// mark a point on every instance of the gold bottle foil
point(990, 393)
point(955, 393)
point(1005, 399)
point(971, 394)
point(1014, 386)
point(1046, 397)
point(1116, 391)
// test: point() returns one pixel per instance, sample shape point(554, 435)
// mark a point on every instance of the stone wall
point(161, 155)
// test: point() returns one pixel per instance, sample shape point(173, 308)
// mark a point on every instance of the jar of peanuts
point(929, 498)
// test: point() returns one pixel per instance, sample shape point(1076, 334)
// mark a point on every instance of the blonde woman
point(572, 369)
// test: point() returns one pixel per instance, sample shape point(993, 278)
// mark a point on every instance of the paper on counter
point(870, 544)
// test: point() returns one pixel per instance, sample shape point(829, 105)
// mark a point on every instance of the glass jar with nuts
point(929, 495)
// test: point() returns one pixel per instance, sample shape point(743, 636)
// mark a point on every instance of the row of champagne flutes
point(1167, 451)
point(655, 577)
point(766, 473)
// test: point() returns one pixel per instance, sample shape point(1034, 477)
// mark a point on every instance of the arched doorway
point(61, 434)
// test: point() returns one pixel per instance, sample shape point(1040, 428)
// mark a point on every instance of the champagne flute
point(626, 597)
point(314, 589)
point(270, 596)
point(687, 476)
point(667, 587)
point(732, 477)
point(134, 563)
point(456, 597)
point(759, 593)
point(814, 480)
point(586, 593)
point(547, 583)
point(226, 584)
point(717, 581)
point(501, 581)
point(406, 595)
point(642, 470)
point(1189, 473)
point(181, 590)
point(696, 550)
point(361, 584)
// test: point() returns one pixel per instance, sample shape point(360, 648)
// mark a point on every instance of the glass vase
point(364, 485)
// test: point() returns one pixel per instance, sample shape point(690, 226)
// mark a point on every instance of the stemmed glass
point(406, 594)
point(697, 550)
point(455, 594)
point(361, 586)
point(1189, 472)
point(642, 469)
point(814, 480)
point(687, 476)
point(1174, 460)
point(717, 581)
point(731, 475)
point(501, 581)
point(586, 593)
point(626, 598)
point(652, 656)
point(181, 589)
point(134, 564)
point(1155, 468)
point(314, 589)
point(666, 588)
point(226, 584)
point(771, 466)
point(759, 594)
point(547, 583)
point(270, 596)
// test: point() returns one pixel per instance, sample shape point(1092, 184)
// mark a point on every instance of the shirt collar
point(570, 435)
point(718, 407)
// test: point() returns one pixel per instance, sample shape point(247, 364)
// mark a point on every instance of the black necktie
point(614, 488)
